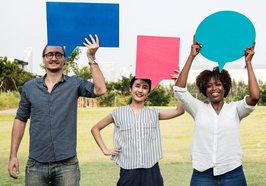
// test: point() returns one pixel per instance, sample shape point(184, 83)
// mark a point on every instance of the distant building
point(22, 64)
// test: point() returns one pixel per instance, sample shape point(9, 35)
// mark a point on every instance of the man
point(51, 104)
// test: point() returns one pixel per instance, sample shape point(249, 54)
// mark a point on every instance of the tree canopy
point(12, 78)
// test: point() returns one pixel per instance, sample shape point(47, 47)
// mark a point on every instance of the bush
point(9, 100)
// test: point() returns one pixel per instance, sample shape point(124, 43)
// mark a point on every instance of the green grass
point(9, 100)
point(176, 168)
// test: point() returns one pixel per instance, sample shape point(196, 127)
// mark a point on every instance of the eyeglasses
point(50, 55)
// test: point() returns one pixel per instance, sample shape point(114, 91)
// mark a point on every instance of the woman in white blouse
point(216, 150)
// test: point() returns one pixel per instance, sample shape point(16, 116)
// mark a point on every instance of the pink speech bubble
point(157, 57)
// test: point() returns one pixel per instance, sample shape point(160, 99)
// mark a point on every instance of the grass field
point(98, 170)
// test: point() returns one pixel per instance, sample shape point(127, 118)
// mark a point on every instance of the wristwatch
point(94, 62)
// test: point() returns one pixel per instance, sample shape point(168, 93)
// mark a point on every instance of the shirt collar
point(41, 79)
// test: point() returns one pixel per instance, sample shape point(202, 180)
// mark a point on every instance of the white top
point(139, 136)
point(216, 140)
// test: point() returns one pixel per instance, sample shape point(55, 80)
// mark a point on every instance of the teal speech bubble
point(224, 36)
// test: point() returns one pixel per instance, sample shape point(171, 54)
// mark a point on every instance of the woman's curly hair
point(205, 76)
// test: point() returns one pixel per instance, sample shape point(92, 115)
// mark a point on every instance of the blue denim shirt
point(53, 116)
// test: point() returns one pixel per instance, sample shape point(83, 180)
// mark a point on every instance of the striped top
point(139, 136)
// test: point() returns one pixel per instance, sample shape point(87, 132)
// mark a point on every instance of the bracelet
point(94, 62)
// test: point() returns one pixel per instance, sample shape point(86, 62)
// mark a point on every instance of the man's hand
point(13, 168)
point(92, 46)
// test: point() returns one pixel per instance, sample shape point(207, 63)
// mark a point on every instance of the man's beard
point(54, 70)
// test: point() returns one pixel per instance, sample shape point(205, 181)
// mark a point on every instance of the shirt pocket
point(126, 132)
point(150, 131)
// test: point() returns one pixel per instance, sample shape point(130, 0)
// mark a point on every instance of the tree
point(159, 96)
point(83, 72)
point(122, 86)
point(263, 92)
point(108, 99)
point(193, 89)
point(12, 77)
point(71, 63)
point(117, 93)
point(238, 91)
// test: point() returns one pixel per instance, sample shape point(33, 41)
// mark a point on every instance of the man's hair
point(63, 48)
point(205, 76)
point(146, 80)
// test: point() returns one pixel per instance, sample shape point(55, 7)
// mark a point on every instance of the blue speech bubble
point(69, 23)
point(224, 36)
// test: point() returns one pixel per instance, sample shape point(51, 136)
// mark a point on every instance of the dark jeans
point(235, 177)
point(141, 177)
point(62, 173)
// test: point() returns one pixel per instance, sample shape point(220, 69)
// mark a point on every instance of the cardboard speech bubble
point(224, 36)
point(157, 57)
point(69, 23)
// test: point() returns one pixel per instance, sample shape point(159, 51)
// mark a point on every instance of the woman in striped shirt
point(137, 137)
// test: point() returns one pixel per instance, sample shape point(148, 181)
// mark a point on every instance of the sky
point(23, 28)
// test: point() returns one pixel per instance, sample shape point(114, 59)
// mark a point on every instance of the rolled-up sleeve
point(243, 109)
point(189, 103)
point(86, 88)
point(23, 112)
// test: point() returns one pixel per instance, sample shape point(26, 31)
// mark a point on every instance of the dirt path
point(9, 111)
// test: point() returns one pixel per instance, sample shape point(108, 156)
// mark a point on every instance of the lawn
point(98, 170)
